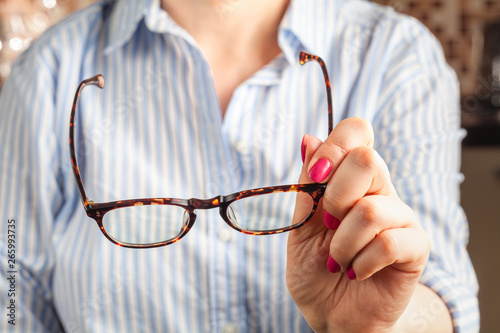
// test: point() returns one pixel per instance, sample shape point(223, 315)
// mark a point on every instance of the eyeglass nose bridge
point(206, 203)
point(221, 202)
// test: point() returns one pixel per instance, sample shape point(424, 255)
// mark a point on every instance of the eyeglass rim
point(97, 210)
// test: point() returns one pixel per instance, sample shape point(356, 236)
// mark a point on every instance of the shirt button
point(225, 235)
point(229, 328)
point(241, 147)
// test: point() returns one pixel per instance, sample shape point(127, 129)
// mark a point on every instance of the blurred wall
point(23, 20)
point(458, 24)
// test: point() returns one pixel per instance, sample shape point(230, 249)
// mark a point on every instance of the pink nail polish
point(303, 148)
point(331, 221)
point(332, 265)
point(320, 170)
point(350, 274)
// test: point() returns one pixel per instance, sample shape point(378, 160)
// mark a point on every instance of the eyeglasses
point(154, 222)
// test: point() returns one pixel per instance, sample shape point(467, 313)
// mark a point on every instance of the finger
point(368, 218)
point(363, 172)
point(310, 145)
point(407, 249)
point(347, 135)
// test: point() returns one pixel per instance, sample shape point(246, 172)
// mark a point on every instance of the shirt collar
point(298, 30)
point(124, 20)
point(290, 37)
point(308, 26)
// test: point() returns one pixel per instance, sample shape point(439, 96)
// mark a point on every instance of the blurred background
point(469, 31)
point(23, 20)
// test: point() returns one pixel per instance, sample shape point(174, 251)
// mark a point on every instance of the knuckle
point(364, 157)
point(368, 211)
point(389, 244)
point(426, 243)
point(336, 148)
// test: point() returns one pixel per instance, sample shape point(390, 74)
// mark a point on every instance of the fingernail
point(331, 221)
point(332, 265)
point(320, 170)
point(350, 274)
point(303, 148)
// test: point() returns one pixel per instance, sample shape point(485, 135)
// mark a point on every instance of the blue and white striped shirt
point(156, 130)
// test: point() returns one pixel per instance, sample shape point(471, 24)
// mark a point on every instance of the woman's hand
point(355, 265)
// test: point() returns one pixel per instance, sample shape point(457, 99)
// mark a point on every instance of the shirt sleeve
point(29, 197)
point(419, 135)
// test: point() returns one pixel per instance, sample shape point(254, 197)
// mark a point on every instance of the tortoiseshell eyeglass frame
point(96, 211)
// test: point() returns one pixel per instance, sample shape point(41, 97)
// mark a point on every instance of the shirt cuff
point(461, 299)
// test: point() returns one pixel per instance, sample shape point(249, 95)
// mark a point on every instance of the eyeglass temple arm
point(306, 57)
point(97, 80)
